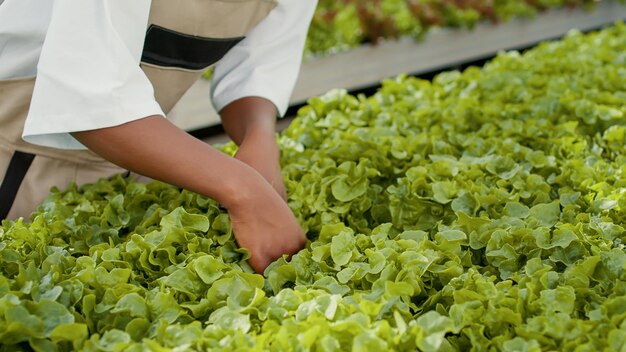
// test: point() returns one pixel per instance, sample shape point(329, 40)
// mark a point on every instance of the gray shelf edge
point(367, 65)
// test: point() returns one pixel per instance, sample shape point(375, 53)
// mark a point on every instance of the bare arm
point(249, 116)
point(153, 147)
point(251, 124)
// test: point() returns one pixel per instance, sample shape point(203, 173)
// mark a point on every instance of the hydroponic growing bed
point(356, 67)
point(344, 24)
point(484, 210)
point(442, 46)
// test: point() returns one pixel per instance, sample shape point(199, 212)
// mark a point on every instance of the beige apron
point(182, 41)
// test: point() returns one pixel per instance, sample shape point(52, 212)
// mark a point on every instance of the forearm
point(251, 124)
point(154, 147)
point(249, 117)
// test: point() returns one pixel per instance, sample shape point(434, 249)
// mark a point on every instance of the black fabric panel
point(18, 167)
point(164, 47)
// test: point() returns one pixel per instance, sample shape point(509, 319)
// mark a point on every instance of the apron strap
point(18, 167)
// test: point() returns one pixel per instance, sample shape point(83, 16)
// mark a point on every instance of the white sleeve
point(88, 75)
point(266, 63)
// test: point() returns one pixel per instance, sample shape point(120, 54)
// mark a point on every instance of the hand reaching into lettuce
point(262, 221)
point(263, 224)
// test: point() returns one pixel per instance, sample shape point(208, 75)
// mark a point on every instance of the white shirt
point(86, 56)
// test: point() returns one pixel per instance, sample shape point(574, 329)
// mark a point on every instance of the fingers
point(265, 225)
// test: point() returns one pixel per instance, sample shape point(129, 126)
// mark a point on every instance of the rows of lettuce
point(484, 210)
point(343, 24)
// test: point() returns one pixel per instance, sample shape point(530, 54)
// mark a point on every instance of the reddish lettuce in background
point(340, 25)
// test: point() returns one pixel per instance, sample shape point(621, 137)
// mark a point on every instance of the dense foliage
point(481, 211)
point(339, 25)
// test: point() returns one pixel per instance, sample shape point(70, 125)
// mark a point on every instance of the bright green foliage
point(482, 211)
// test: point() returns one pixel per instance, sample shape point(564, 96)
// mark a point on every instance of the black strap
point(18, 167)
